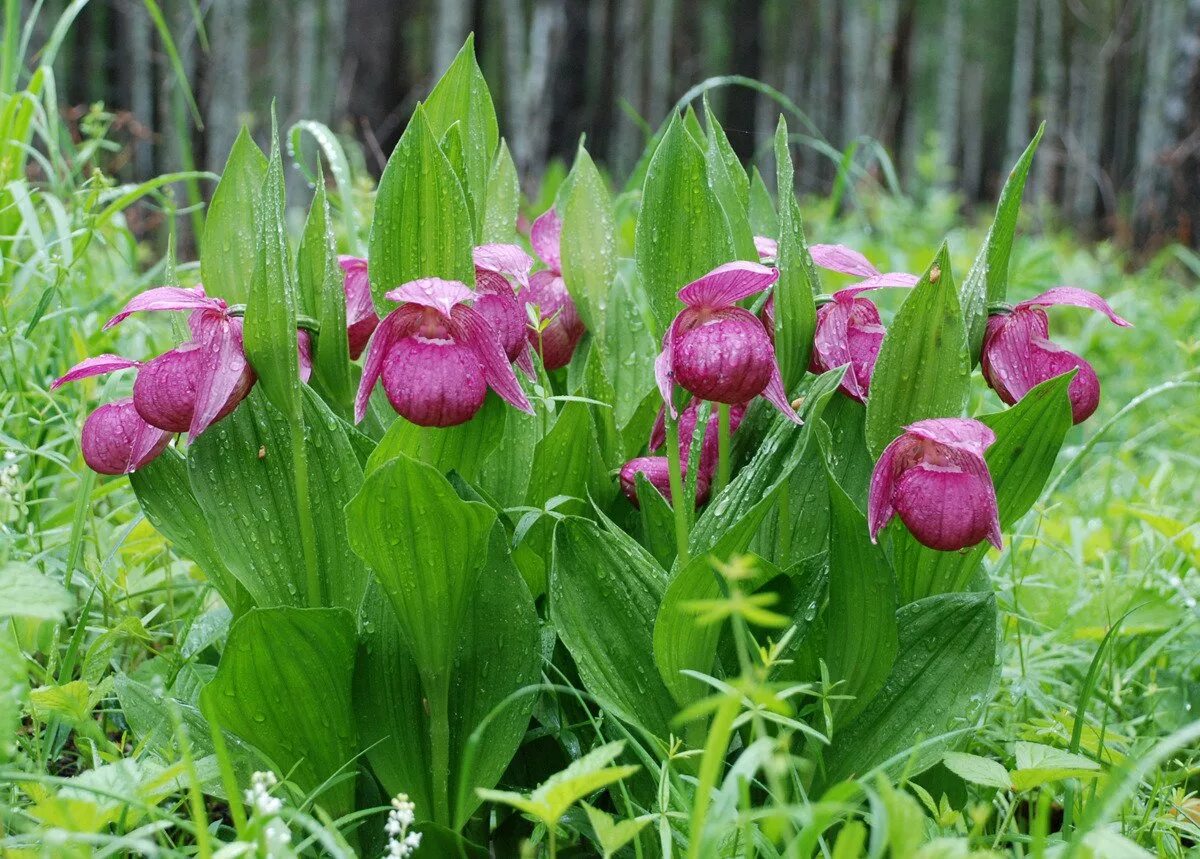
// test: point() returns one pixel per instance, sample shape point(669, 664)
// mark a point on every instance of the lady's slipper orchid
point(496, 266)
point(547, 291)
point(657, 470)
point(934, 477)
point(717, 350)
point(115, 439)
point(687, 428)
point(437, 356)
point(361, 318)
point(1018, 354)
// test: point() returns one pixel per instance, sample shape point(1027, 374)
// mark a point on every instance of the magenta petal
point(965, 434)
point(947, 510)
point(304, 354)
point(433, 383)
point(361, 317)
point(524, 361)
point(474, 331)
point(843, 260)
point(507, 260)
point(879, 497)
point(397, 324)
point(96, 366)
point(664, 373)
point(441, 295)
point(115, 439)
point(728, 284)
point(1071, 295)
point(557, 341)
point(848, 333)
point(546, 238)
point(767, 248)
point(777, 396)
point(168, 298)
point(222, 371)
point(657, 470)
point(880, 281)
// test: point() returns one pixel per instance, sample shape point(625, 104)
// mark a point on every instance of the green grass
point(1117, 541)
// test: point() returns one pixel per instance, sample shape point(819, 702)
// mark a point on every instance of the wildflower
point(657, 470)
point(717, 350)
point(934, 477)
point(361, 319)
point(1018, 354)
point(401, 842)
point(547, 291)
point(437, 356)
point(496, 266)
point(266, 809)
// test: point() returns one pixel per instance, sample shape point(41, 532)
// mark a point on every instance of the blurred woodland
point(918, 93)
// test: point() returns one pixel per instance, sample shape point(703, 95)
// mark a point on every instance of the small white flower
point(401, 842)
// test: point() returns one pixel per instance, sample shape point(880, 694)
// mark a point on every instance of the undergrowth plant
point(661, 544)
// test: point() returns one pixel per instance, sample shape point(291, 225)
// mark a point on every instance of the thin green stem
point(720, 732)
point(723, 463)
point(308, 528)
point(676, 482)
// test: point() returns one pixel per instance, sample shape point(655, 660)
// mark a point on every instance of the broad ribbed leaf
point(795, 306)
point(462, 96)
point(462, 448)
point(319, 281)
point(681, 232)
point(860, 618)
point(923, 370)
point(269, 333)
point(605, 591)
point(502, 199)
point(241, 472)
point(506, 473)
point(497, 653)
point(568, 461)
point(422, 226)
point(588, 242)
point(230, 250)
point(945, 673)
point(1028, 438)
point(763, 220)
point(728, 180)
point(987, 281)
point(165, 495)
point(283, 686)
point(629, 347)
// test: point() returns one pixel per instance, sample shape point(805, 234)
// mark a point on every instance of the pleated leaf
point(230, 249)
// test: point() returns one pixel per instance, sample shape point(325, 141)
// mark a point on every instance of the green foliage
point(230, 253)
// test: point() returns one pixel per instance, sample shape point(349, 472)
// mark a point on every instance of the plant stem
point(308, 528)
point(719, 734)
point(677, 499)
point(439, 741)
point(722, 448)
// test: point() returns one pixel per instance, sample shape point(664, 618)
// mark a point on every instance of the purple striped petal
point(506, 260)
point(657, 470)
point(168, 298)
point(396, 325)
point(222, 371)
point(361, 318)
point(115, 439)
point(97, 366)
point(546, 238)
point(767, 248)
point(728, 284)
point(468, 327)
point(434, 292)
point(1071, 295)
point(776, 394)
point(843, 260)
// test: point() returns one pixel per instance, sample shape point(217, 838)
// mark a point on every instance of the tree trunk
point(629, 64)
point(1022, 80)
point(1049, 157)
point(452, 19)
point(971, 174)
point(229, 86)
point(138, 71)
point(950, 90)
point(662, 19)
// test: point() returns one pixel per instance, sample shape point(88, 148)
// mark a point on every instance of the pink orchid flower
point(437, 356)
point(361, 319)
point(1018, 354)
point(935, 478)
point(717, 350)
point(657, 470)
point(547, 291)
point(496, 267)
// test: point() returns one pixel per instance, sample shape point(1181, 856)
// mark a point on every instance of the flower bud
point(934, 477)
point(115, 439)
point(657, 470)
point(361, 318)
point(1018, 354)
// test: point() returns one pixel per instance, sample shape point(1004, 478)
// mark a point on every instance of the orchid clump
point(437, 356)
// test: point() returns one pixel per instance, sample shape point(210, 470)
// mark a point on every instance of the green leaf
point(658, 522)
point(230, 250)
point(628, 347)
point(763, 220)
point(166, 497)
point(14, 686)
point(1038, 765)
point(583, 777)
point(987, 281)
point(861, 634)
point(422, 226)
point(320, 280)
point(462, 96)
point(502, 199)
point(977, 770)
point(24, 592)
point(681, 232)
point(568, 461)
point(283, 686)
point(462, 448)
point(393, 722)
point(611, 834)
point(506, 473)
point(588, 242)
point(728, 180)
point(795, 306)
point(241, 473)
point(269, 333)
point(605, 591)
point(1028, 438)
point(923, 370)
point(945, 672)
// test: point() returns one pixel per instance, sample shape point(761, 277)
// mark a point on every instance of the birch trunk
point(1022, 80)
point(950, 89)
point(630, 60)
point(451, 22)
point(229, 89)
point(1049, 158)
